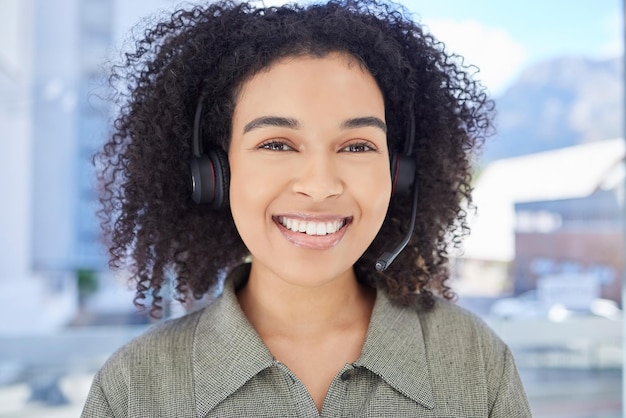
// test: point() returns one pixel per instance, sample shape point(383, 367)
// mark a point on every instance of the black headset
point(210, 176)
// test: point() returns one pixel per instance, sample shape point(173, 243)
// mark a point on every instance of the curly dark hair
point(147, 211)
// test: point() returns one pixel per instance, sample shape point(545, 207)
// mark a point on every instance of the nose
point(318, 178)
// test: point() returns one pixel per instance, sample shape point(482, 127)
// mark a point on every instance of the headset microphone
point(403, 177)
point(387, 257)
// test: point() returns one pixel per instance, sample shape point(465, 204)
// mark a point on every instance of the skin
point(309, 144)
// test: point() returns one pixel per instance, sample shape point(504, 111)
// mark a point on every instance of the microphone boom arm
point(387, 257)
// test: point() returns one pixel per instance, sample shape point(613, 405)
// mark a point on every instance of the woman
point(307, 134)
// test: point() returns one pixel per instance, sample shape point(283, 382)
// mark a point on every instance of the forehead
point(346, 58)
point(306, 81)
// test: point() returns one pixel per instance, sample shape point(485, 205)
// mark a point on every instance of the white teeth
point(311, 228)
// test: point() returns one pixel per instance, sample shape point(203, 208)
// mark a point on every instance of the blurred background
point(543, 266)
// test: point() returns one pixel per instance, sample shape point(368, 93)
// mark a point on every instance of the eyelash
point(273, 146)
point(364, 146)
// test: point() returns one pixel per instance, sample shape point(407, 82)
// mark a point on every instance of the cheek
point(241, 198)
point(252, 190)
point(247, 213)
point(380, 205)
point(374, 194)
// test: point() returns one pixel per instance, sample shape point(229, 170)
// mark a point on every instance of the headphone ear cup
point(403, 171)
point(221, 170)
point(202, 179)
point(210, 179)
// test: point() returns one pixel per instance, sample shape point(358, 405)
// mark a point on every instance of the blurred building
point(54, 114)
point(546, 214)
point(71, 39)
point(577, 238)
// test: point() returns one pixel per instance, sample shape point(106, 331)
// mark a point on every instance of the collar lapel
point(227, 350)
point(394, 349)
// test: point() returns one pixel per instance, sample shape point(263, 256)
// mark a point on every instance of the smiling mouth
point(310, 227)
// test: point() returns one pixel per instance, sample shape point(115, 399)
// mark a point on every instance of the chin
point(313, 273)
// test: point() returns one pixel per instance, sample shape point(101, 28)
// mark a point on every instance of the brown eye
point(359, 147)
point(275, 146)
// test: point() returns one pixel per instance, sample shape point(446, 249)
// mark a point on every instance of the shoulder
point(460, 365)
point(164, 349)
point(461, 340)
point(172, 337)
point(453, 322)
point(461, 347)
point(448, 309)
point(154, 365)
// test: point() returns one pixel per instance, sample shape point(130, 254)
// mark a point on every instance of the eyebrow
point(364, 122)
point(264, 121)
point(282, 122)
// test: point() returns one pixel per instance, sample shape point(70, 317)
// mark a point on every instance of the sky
point(500, 37)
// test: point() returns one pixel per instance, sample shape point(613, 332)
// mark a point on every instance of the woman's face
point(310, 181)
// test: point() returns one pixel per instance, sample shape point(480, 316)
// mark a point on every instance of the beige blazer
point(212, 363)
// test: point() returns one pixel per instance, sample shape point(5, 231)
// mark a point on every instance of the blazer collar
point(228, 351)
point(394, 349)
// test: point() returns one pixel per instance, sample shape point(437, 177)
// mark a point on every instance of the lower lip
point(313, 242)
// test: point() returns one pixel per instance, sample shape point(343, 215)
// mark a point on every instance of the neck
point(278, 307)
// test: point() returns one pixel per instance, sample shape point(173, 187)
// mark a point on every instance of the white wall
point(15, 139)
